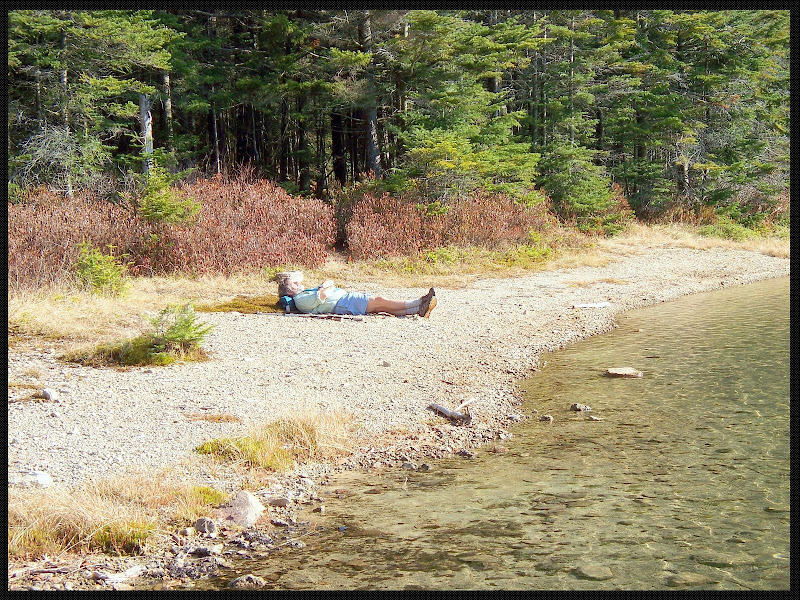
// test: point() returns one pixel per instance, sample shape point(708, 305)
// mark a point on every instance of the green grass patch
point(245, 305)
point(257, 453)
point(449, 260)
point(208, 495)
point(127, 537)
point(728, 229)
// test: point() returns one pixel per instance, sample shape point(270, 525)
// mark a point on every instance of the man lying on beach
point(327, 298)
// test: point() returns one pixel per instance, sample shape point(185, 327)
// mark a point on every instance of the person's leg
point(397, 308)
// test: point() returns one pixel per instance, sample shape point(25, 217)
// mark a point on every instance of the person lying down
point(329, 299)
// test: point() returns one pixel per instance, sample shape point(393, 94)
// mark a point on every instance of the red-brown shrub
point(241, 226)
point(387, 226)
point(490, 221)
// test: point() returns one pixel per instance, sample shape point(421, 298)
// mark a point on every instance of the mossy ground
point(245, 305)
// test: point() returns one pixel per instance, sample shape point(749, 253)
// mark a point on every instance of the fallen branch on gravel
point(451, 414)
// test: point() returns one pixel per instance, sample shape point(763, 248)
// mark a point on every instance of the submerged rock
point(580, 407)
point(629, 372)
point(247, 581)
point(593, 572)
point(687, 579)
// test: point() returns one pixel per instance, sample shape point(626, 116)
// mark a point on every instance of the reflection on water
point(684, 480)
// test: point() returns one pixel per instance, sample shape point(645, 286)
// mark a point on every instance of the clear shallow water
point(686, 475)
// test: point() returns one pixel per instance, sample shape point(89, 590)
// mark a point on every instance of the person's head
point(289, 283)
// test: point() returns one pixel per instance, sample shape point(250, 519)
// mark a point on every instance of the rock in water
point(689, 579)
point(248, 581)
point(623, 372)
point(594, 572)
point(580, 407)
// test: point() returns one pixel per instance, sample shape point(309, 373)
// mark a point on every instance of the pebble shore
point(381, 371)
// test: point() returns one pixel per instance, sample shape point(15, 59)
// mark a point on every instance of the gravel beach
point(382, 371)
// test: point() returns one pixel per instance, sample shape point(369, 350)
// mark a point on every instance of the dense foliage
point(674, 108)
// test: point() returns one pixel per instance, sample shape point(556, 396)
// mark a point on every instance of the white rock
point(38, 478)
point(623, 372)
point(245, 508)
point(48, 394)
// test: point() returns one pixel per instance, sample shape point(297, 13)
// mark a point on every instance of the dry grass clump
point(678, 235)
point(278, 446)
point(116, 515)
point(79, 318)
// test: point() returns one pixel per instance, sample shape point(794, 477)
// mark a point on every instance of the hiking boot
point(425, 308)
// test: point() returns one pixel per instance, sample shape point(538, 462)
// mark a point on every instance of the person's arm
point(307, 300)
point(326, 288)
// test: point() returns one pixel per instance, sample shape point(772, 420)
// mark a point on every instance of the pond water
point(684, 480)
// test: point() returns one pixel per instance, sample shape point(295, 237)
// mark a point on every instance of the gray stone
point(279, 501)
point(424, 467)
point(297, 544)
point(593, 572)
point(247, 581)
point(688, 579)
point(208, 550)
point(47, 394)
point(187, 531)
point(206, 525)
point(279, 522)
point(623, 372)
point(408, 465)
point(548, 418)
point(245, 509)
point(580, 407)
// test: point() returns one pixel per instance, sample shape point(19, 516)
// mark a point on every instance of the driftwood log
point(451, 414)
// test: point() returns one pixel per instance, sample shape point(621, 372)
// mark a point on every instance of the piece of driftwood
point(463, 404)
point(450, 414)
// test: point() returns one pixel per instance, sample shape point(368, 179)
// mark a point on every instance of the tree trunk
point(337, 148)
point(256, 154)
point(283, 169)
point(215, 140)
point(371, 112)
point(168, 109)
point(571, 82)
point(303, 159)
point(352, 144)
point(146, 123)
